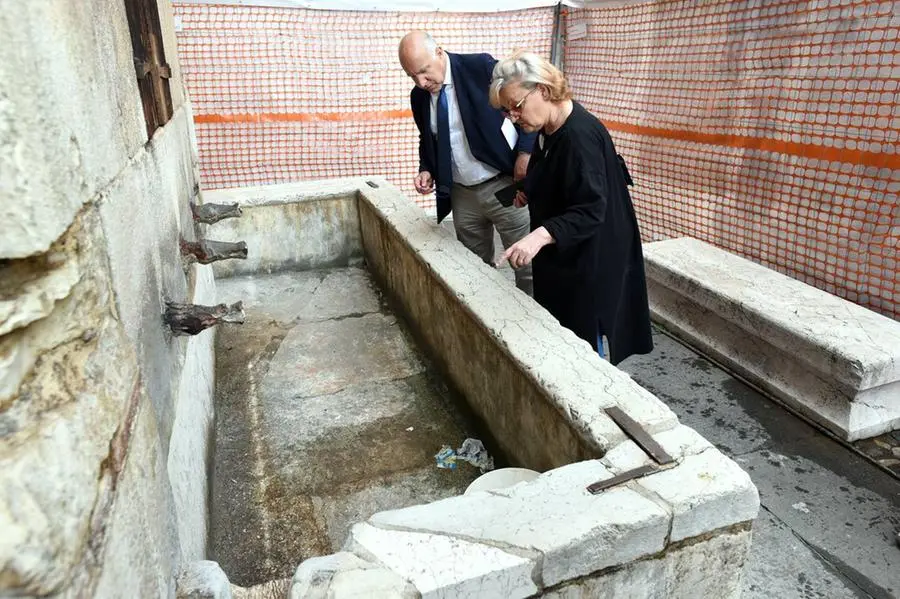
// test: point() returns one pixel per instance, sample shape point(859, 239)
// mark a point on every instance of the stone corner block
point(202, 580)
point(706, 492)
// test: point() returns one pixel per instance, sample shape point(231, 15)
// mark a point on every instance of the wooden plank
point(639, 435)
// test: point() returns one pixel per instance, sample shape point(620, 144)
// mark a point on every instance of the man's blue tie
point(444, 160)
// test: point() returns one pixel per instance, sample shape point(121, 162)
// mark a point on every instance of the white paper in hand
point(510, 133)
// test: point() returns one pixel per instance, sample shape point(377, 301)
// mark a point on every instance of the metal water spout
point(190, 319)
point(207, 251)
point(213, 213)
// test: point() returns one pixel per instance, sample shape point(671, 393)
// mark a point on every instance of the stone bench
point(833, 361)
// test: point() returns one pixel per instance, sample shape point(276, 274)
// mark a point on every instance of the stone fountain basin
point(542, 393)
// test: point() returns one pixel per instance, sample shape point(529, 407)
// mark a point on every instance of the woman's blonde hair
point(528, 70)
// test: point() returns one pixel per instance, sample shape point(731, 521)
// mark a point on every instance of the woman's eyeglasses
point(518, 107)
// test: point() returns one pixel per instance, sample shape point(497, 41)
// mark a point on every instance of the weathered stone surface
point(711, 569)
point(202, 580)
point(468, 314)
point(842, 507)
point(146, 269)
point(637, 580)
point(281, 297)
point(678, 442)
point(373, 349)
point(782, 565)
point(139, 531)
point(273, 589)
point(441, 566)
point(67, 378)
point(348, 291)
point(576, 533)
point(836, 362)
point(706, 491)
point(707, 570)
point(345, 576)
point(290, 227)
point(30, 288)
point(341, 511)
point(189, 447)
point(299, 470)
point(63, 136)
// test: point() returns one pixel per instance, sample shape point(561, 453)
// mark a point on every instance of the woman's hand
point(522, 252)
point(521, 200)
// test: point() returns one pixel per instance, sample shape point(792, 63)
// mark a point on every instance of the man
point(467, 148)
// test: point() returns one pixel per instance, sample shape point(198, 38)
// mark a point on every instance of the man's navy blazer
point(472, 75)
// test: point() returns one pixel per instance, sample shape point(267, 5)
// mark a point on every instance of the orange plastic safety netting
point(289, 94)
point(769, 129)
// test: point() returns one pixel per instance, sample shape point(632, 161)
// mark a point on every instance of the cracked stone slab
point(442, 566)
point(577, 533)
point(706, 492)
point(843, 508)
point(782, 565)
point(371, 348)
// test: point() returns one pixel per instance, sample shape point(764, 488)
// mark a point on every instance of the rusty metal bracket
point(643, 439)
point(602, 485)
point(639, 436)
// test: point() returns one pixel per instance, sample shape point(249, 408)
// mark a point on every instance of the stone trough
point(682, 529)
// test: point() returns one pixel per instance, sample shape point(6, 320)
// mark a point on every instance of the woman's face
point(523, 106)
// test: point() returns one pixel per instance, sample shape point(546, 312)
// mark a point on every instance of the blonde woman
point(584, 245)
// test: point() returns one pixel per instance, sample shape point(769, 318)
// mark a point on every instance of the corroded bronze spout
point(190, 319)
point(213, 213)
point(207, 251)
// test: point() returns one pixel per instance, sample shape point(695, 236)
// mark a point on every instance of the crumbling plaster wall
point(105, 417)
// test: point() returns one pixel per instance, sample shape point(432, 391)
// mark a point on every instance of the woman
point(584, 245)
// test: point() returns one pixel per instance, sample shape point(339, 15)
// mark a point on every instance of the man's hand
point(424, 182)
point(521, 168)
point(521, 200)
point(522, 252)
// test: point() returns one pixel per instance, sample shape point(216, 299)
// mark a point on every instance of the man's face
point(425, 70)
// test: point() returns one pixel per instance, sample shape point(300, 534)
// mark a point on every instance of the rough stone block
point(442, 566)
point(577, 533)
point(707, 570)
point(63, 136)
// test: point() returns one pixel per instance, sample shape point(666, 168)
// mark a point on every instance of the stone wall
point(104, 416)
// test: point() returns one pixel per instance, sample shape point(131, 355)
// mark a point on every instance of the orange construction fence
point(769, 129)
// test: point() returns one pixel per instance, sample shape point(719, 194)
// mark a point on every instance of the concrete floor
point(829, 516)
point(326, 414)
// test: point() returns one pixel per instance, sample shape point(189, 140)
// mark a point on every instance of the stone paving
point(829, 516)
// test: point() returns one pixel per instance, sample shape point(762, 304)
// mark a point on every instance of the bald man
point(468, 150)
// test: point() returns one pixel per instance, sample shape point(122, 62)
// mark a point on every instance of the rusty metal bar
point(602, 485)
point(639, 436)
